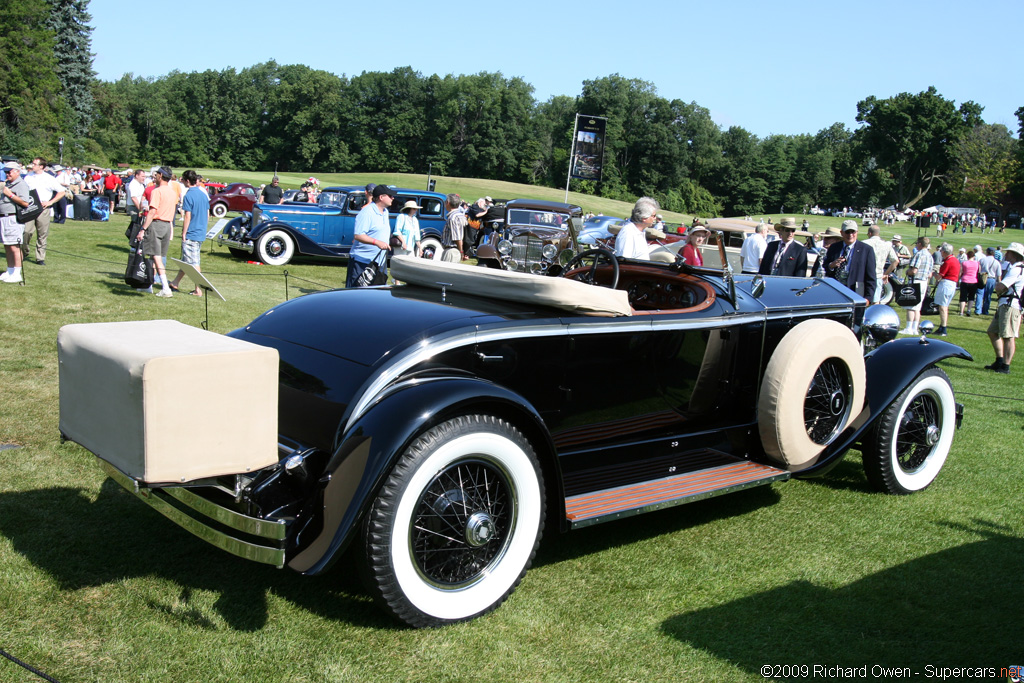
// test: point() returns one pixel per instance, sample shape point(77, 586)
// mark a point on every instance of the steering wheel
point(595, 256)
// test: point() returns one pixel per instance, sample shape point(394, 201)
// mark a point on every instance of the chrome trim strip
point(244, 549)
point(782, 476)
point(808, 313)
point(428, 348)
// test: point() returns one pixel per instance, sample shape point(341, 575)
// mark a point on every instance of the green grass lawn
point(95, 586)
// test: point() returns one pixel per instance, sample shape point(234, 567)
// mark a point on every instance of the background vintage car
point(434, 426)
point(277, 233)
point(531, 236)
point(234, 197)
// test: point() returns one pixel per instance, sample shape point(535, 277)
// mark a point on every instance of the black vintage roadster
point(435, 426)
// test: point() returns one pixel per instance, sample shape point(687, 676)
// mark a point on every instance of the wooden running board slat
point(588, 508)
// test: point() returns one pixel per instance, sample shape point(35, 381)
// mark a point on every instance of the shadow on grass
point(80, 543)
point(950, 608)
point(848, 475)
point(557, 547)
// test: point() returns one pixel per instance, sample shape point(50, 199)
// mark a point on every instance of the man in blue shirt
point(196, 205)
point(372, 231)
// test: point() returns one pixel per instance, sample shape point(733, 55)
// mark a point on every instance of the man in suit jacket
point(852, 262)
point(785, 256)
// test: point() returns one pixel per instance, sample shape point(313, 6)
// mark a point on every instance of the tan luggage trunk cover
point(167, 403)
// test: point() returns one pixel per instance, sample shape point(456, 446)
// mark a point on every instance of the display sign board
point(588, 148)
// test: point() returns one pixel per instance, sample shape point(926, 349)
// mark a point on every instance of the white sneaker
point(166, 293)
point(906, 330)
point(4, 276)
point(11, 279)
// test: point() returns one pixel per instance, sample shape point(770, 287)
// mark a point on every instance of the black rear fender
point(369, 449)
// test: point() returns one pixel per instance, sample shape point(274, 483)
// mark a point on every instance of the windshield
point(543, 219)
point(331, 198)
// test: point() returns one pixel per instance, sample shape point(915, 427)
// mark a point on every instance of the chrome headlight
point(536, 268)
point(549, 251)
point(881, 323)
point(504, 247)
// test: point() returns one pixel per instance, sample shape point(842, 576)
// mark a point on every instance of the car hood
point(368, 325)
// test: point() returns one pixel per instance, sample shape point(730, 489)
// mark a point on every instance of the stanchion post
point(286, 285)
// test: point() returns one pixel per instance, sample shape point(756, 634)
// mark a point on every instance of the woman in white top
point(407, 229)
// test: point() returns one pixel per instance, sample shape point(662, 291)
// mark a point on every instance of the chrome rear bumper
point(273, 532)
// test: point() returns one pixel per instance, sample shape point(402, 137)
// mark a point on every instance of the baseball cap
point(381, 190)
point(897, 238)
point(849, 226)
point(370, 187)
point(165, 172)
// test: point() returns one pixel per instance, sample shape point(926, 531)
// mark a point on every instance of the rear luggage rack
point(272, 553)
point(646, 496)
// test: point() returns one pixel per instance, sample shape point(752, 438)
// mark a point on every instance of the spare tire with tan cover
point(812, 388)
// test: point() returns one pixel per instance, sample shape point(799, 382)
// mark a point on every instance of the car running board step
point(647, 496)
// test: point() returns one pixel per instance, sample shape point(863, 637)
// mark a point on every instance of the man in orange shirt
point(157, 232)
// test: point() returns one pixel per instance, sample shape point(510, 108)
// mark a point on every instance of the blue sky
point(793, 67)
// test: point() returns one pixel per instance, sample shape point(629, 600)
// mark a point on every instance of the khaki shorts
point(157, 239)
point(11, 231)
point(1006, 322)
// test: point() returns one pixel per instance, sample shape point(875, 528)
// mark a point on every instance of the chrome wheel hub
point(931, 435)
point(837, 402)
point(479, 529)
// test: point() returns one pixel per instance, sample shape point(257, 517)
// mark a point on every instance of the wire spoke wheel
point(918, 432)
point(909, 442)
point(827, 403)
point(462, 523)
point(455, 526)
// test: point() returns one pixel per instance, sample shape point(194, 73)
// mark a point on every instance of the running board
point(647, 496)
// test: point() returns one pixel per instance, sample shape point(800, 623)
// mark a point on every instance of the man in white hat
point(901, 251)
point(852, 262)
point(15, 195)
point(1005, 325)
point(785, 256)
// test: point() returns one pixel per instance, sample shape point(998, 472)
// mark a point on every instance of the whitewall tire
point(909, 443)
point(457, 522)
point(275, 247)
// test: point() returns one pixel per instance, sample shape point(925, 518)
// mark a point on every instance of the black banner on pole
point(588, 148)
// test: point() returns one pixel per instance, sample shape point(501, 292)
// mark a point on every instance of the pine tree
point(69, 21)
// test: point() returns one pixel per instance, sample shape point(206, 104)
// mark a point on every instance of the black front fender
point(370, 448)
point(890, 369)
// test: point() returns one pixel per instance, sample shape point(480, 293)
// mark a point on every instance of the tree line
point(910, 149)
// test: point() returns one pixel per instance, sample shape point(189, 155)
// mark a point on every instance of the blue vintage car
point(277, 233)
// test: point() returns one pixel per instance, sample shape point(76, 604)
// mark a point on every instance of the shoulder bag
point(375, 273)
point(908, 294)
point(139, 273)
point(30, 212)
